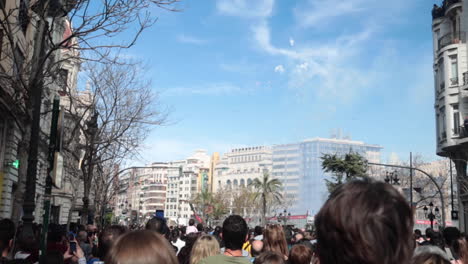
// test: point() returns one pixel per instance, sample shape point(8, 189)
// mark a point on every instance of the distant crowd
point(363, 222)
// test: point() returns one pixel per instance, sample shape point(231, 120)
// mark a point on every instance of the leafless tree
point(118, 109)
point(35, 36)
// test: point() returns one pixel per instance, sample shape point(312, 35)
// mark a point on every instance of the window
point(453, 70)
point(441, 77)
point(55, 214)
point(442, 123)
point(456, 119)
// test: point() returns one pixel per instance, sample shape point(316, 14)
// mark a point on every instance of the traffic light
point(15, 164)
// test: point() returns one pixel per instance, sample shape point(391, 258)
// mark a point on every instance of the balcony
point(452, 38)
point(454, 81)
point(448, 3)
point(437, 12)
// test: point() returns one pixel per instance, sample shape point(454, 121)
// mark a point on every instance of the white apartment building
point(185, 179)
point(449, 26)
point(167, 186)
point(239, 167)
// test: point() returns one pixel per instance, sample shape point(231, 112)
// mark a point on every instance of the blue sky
point(241, 72)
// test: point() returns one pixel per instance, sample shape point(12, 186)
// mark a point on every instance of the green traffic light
point(15, 164)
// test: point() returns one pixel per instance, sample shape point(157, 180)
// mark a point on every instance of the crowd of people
point(363, 221)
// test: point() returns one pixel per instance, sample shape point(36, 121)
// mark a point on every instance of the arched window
point(235, 183)
point(242, 182)
point(249, 181)
point(228, 182)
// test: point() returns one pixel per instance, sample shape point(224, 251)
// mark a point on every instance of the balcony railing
point(465, 78)
point(439, 11)
point(442, 86)
point(454, 81)
point(448, 3)
point(452, 38)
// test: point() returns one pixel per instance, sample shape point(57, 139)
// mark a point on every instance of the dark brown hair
point(300, 254)
point(141, 247)
point(460, 246)
point(269, 257)
point(365, 222)
point(428, 258)
point(275, 240)
point(107, 237)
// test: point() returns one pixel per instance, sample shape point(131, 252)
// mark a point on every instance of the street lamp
point(431, 213)
point(392, 178)
point(284, 216)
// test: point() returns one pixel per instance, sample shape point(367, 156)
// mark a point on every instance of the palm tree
point(267, 190)
point(202, 201)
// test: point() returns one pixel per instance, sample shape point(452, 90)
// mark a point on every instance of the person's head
point(82, 236)
point(429, 255)
point(141, 247)
point(298, 237)
point(205, 246)
point(107, 238)
point(234, 232)
point(200, 227)
point(300, 254)
point(460, 248)
point(435, 238)
point(27, 243)
point(269, 257)
point(275, 240)
point(450, 234)
point(365, 222)
point(257, 247)
point(7, 233)
point(217, 231)
point(158, 225)
point(418, 232)
point(52, 257)
point(175, 234)
point(258, 230)
point(184, 254)
point(191, 222)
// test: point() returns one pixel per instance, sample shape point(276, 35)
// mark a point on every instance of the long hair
point(460, 246)
point(274, 240)
point(205, 246)
point(141, 247)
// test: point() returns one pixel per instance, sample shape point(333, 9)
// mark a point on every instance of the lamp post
point(439, 189)
point(392, 178)
point(431, 213)
point(284, 217)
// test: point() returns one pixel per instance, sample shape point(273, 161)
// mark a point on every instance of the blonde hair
point(274, 240)
point(141, 247)
point(205, 246)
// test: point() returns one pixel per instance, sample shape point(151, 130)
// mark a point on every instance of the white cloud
point(326, 67)
point(190, 39)
point(317, 13)
point(320, 12)
point(279, 68)
point(246, 8)
point(291, 42)
point(206, 89)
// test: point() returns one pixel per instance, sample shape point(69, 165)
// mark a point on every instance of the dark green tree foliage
point(343, 169)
